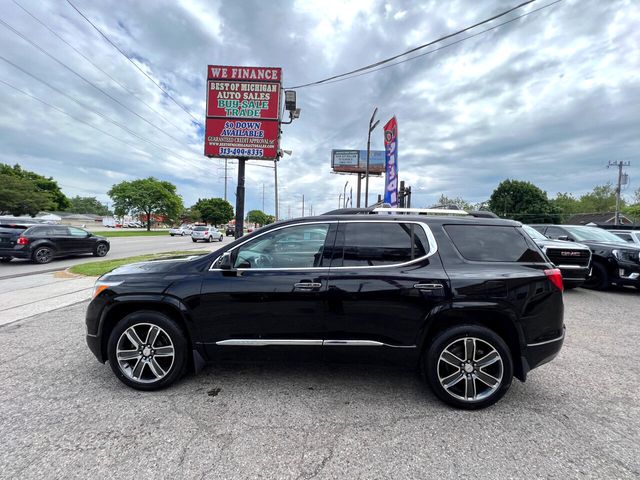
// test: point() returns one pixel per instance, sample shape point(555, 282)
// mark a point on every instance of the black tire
point(171, 234)
point(194, 240)
point(599, 278)
point(182, 234)
point(42, 255)
point(486, 343)
point(5, 259)
point(101, 250)
point(208, 240)
point(172, 331)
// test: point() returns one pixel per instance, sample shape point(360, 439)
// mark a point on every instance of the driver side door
point(275, 293)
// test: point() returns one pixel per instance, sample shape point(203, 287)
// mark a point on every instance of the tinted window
point(484, 243)
point(77, 232)
point(382, 243)
point(624, 236)
point(291, 247)
point(40, 231)
point(60, 231)
point(555, 232)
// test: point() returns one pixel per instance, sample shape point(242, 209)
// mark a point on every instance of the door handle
point(428, 286)
point(307, 285)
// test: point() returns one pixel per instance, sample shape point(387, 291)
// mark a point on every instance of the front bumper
point(574, 275)
point(626, 273)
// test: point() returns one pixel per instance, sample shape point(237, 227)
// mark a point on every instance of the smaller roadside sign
point(355, 161)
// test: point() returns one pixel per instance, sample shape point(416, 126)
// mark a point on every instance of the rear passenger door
point(80, 240)
point(385, 278)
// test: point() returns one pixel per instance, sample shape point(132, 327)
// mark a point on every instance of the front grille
point(567, 256)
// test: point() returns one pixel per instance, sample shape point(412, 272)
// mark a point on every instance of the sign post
point(243, 119)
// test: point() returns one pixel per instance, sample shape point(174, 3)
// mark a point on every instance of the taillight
point(555, 276)
point(22, 241)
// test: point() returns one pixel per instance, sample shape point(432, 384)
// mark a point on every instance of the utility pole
point(263, 196)
point(240, 198)
point(372, 126)
point(275, 166)
point(344, 195)
point(225, 179)
point(359, 190)
point(340, 201)
point(303, 204)
point(619, 164)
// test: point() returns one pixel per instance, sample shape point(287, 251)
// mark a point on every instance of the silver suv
point(206, 234)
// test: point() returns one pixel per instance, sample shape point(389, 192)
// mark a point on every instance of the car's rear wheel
point(208, 239)
point(101, 250)
point(194, 240)
point(469, 366)
point(147, 351)
point(182, 234)
point(5, 259)
point(599, 278)
point(42, 255)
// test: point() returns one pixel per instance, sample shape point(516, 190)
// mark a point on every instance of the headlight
point(626, 255)
point(99, 287)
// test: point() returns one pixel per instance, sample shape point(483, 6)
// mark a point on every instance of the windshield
point(533, 233)
point(200, 229)
point(593, 234)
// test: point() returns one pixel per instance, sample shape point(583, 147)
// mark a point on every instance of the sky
point(549, 98)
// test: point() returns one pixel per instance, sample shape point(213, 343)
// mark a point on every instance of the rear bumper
point(537, 354)
point(15, 252)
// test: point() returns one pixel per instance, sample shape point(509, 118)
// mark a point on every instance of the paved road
point(63, 415)
point(120, 247)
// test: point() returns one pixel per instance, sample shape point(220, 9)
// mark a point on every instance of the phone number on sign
point(242, 152)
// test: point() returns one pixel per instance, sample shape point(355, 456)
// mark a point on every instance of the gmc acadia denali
point(472, 301)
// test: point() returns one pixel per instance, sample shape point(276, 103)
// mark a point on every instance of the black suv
point(614, 261)
point(42, 243)
point(474, 302)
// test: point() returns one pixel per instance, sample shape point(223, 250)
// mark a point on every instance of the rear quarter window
point(484, 243)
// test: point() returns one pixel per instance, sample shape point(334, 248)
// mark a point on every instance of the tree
point(48, 185)
point(258, 217)
point(523, 201)
point(457, 201)
point(147, 196)
point(214, 210)
point(87, 205)
point(601, 199)
point(566, 204)
point(19, 196)
point(190, 215)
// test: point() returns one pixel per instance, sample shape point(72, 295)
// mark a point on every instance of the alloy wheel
point(101, 250)
point(43, 255)
point(145, 353)
point(470, 369)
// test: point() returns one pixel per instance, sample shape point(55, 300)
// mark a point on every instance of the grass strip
point(95, 269)
point(131, 233)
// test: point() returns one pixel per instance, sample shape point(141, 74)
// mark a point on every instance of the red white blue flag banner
point(391, 162)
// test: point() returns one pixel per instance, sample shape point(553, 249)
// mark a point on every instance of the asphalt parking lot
point(66, 416)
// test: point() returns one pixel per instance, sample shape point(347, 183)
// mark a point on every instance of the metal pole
point(344, 195)
point(359, 190)
point(351, 197)
point(225, 179)
point(339, 200)
point(303, 204)
point(617, 219)
point(366, 184)
point(263, 196)
point(275, 163)
point(240, 198)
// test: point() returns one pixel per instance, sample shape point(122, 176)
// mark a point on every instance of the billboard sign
point(355, 161)
point(391, 162)
point(243, 112)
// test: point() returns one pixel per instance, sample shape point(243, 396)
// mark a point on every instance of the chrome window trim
point(433, 247)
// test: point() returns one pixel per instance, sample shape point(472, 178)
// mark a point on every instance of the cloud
point(549, 98)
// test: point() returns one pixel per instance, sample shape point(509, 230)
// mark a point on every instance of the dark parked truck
point(473, 302)
point(42, 243)
point(614, 261)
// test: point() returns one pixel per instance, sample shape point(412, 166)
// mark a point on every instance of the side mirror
point(566, 238)
point(225, 261)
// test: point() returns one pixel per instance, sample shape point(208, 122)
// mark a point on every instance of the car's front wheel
point(599, 278)
point(147, 351)
point(469, 366)
point(101, 250)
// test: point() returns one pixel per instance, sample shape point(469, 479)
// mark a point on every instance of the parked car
point(629, 236)
point(230, 231)
point(573, 259)
point(181, 230)
point(613, 260)
point(42, 243)
point(206, 234)
point(474, 302)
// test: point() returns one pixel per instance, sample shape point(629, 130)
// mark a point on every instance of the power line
point(134, 63)
point(69, 115)
point(442, 47)
point(124, 87)
point(91, 109)
point(16, 32)
point(390, 59)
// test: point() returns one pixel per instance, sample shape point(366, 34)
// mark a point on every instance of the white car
point(182, 231)
point(207, 234)
point(631, 236)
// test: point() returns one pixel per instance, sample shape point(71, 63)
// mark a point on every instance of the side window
point(60, 231)
point(555, 232)
point(367, 244)
point(484, 243)
point(77, 232)
point(290, 247)
point(625, 236)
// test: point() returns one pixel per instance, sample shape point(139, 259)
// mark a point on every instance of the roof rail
point(420, 211)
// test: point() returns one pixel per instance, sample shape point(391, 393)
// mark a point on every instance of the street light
point(344, 195)
point(372, 126)
point(275, 172)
